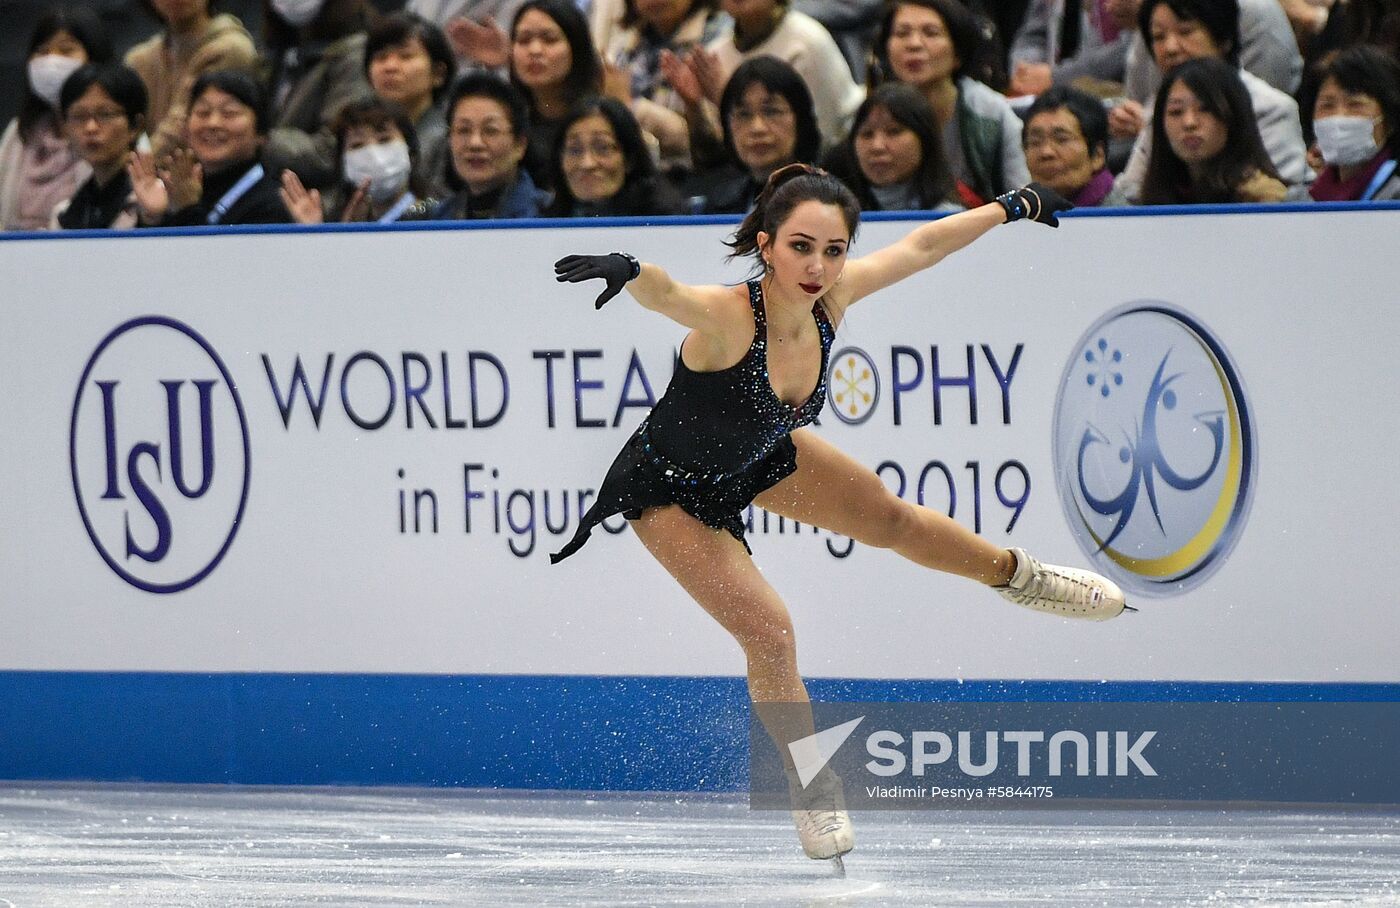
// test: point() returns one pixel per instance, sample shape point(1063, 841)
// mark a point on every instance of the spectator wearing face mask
point(1357, 122)
point(317, 50)
point(104, 113)
point(38, 167)
point(378, 154)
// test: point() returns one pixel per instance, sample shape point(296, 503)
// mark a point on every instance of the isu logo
point(159, 452)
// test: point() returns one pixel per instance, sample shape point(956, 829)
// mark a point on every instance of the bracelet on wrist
point(632, 261)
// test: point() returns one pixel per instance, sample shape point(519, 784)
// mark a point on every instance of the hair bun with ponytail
point(788, 187)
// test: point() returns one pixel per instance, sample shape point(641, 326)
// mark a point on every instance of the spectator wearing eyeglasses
point(1066, 142)
point(773, 28)
point(769, 123)
point(602, 166)
point(104, 113)
point(488, 128)
point(554, 65)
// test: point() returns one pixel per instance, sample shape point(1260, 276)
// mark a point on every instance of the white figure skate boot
point(819, 811)
point(1068, 592)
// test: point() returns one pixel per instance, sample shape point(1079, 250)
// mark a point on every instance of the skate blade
point(1128, 608)
point(838, 866)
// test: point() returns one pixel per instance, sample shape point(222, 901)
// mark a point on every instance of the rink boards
point(277, 506)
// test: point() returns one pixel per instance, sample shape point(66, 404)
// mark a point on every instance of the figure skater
point(729, 431)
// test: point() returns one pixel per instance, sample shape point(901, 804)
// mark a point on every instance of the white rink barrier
point(353, 452)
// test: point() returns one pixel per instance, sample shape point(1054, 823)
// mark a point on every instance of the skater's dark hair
point(787, 188)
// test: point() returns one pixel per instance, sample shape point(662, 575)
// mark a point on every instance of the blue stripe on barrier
point(669, 221)
point(626, 733)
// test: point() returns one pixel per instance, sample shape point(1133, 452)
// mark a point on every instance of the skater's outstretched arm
point(930, 243)
point(650, 285)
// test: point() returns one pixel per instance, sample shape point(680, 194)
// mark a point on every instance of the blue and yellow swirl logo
point(1154, 448)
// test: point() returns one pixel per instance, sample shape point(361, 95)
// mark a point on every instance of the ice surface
point(74, 845)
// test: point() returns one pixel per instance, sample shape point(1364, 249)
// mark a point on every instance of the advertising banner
point(353, 451)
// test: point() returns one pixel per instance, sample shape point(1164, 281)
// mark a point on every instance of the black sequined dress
point(712, 443)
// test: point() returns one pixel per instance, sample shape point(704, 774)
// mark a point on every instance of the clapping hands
point(175, 181)
point(695, 77)
point(482, 42)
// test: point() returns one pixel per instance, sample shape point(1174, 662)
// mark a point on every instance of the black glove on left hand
point(1037, 202)
point(616, 268)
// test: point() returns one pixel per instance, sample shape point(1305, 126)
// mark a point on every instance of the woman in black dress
point(730, 431)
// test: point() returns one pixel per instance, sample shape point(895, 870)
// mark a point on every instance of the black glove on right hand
point(1037, 202)
point(616, 268)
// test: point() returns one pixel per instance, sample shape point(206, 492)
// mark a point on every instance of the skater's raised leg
point(834, 491)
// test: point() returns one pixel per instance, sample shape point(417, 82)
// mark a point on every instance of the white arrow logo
point(812, 753)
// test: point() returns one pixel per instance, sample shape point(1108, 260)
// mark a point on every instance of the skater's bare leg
point(833, 490)
point(713, 567)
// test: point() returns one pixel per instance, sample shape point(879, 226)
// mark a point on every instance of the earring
point(767, 267)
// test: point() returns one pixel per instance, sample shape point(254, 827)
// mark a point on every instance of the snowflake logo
point(853, 385)
point(1103, 367)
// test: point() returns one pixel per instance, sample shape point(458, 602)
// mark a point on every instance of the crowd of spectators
point(468, 109)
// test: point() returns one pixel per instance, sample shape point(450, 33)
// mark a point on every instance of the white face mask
point(298, 12)
point(385, 165)
point(48, 73)
point(1345, 141)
